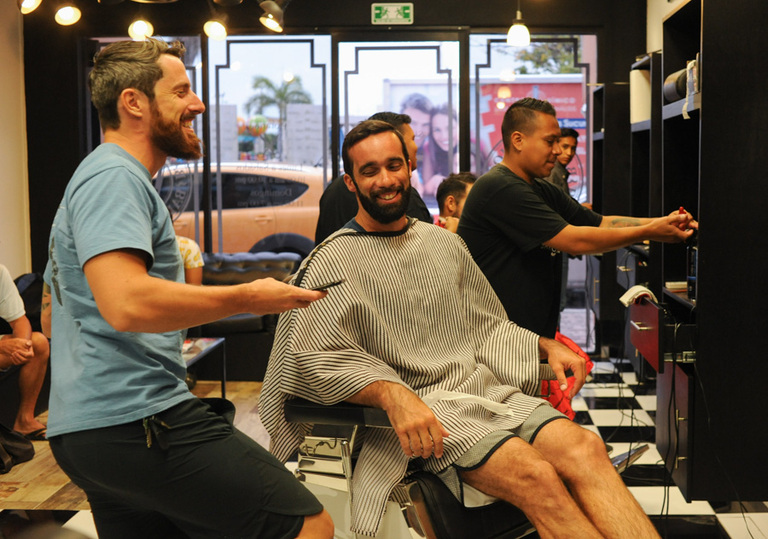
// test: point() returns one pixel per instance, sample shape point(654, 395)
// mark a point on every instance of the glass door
point(556, 69)
point(415, 74)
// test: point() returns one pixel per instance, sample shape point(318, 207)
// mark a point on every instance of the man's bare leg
point(519, 474)
point(31, 376)
point(580, 458)
point(319, 526)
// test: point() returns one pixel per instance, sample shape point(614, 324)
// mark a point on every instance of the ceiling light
point(28, 6)
point(67, 14)
point(140, 30)
point(518, 34)
point(273, 14)
point(215, 29)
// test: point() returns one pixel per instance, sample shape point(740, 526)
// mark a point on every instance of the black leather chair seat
point(249, 336)
point(236, 268)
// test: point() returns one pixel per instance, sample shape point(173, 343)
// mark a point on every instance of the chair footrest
point(324, 480)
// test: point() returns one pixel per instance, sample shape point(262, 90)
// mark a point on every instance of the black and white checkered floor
point(623, 411)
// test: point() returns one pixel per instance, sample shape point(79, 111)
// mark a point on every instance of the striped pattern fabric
point(415, 310)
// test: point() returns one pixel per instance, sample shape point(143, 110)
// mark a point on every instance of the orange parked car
point(264, 206)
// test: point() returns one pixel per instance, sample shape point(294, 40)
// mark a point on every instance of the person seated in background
point(451, 194)
point(25, 349)
point(338, 204)
point(416, 330)
point(192, 259)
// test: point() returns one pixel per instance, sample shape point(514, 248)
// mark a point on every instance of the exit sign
point(392, 13)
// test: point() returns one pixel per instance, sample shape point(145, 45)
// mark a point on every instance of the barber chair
point(325, 463)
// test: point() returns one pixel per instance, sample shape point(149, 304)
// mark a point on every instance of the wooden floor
point(41, 485)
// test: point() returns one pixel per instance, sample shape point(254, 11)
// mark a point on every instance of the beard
point(172, 138)
point(385, 214)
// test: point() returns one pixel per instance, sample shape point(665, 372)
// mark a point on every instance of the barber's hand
point(685, 220)
point(268, 296)
point(451, 223)
point(561, 358)
point(674, 228)
point(19, 350)
point(419, 431)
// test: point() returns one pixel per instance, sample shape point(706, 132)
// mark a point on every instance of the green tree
point(268, 94)
point(547, 57)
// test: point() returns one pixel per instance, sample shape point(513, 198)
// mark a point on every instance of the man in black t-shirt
point(516, 225)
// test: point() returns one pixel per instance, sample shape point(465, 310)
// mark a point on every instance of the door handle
point(640, 326)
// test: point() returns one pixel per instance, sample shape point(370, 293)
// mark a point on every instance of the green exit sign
point(392, 13)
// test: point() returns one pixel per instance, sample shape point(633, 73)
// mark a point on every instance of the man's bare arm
point(130, 299)
point(618, 231)
point(623, 221)
point(17, 348)
point(419, 431)
point(22, 329)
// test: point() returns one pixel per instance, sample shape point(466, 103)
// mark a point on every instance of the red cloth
point(550, 388)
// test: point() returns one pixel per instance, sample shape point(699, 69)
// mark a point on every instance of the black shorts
point(211, 481)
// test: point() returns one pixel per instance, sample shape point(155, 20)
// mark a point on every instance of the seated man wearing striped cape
point(430, 344)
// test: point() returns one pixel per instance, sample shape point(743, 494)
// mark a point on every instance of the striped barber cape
point(414, 309)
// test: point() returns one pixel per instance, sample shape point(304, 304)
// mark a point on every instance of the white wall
point(657, 10)
point(15, 251)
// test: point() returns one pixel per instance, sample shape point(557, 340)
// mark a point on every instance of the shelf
point(681, 37)
point(598, 136)
point(673, 110)
point(642, 63)
point(680, 297)
point(644, 125)
point(724, 346)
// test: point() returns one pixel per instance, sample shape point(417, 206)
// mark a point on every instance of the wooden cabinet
point(712, 148)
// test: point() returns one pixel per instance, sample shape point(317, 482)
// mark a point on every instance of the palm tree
point(268, 94)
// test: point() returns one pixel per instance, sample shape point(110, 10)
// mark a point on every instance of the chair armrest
point(343, 413)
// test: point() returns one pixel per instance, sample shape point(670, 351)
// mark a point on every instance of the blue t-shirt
point(100, 376)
